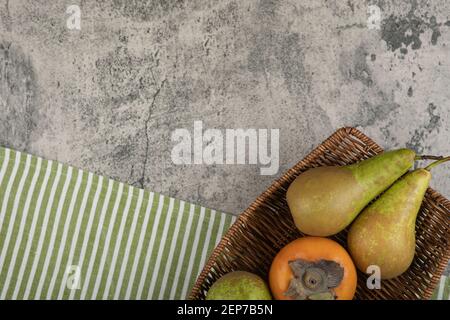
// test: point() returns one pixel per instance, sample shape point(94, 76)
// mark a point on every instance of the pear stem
point(428, 157)
point(436, 163)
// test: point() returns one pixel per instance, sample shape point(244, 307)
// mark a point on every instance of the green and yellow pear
point(325, 200)
point(239, 285)
point(383, 235)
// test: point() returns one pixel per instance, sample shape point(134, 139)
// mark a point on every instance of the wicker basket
point(266, 226)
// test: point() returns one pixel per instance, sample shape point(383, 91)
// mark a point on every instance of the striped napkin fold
point(442, 291)
point(69, 234)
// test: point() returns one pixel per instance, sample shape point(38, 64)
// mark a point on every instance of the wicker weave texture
point(266, 226)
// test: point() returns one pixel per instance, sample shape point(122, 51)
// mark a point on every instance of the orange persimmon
point(321, 263)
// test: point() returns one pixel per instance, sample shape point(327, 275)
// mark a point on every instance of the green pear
point(239, 285)
point(384, 233)
point(325, 200)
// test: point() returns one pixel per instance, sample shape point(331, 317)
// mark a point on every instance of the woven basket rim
point(243, 217)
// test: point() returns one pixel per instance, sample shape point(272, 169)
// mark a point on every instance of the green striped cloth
point(69, 234)
point(442, 291)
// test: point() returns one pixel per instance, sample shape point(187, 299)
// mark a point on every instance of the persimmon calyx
point(314, 280)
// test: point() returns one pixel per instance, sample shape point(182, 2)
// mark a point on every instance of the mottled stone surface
point(107, 98)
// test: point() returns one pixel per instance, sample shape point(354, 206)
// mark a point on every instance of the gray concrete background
point(107, 98)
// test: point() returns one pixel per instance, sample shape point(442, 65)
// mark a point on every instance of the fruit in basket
point(312, 268)
point(384, 233)
point(239, 285)
point(325, 200)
